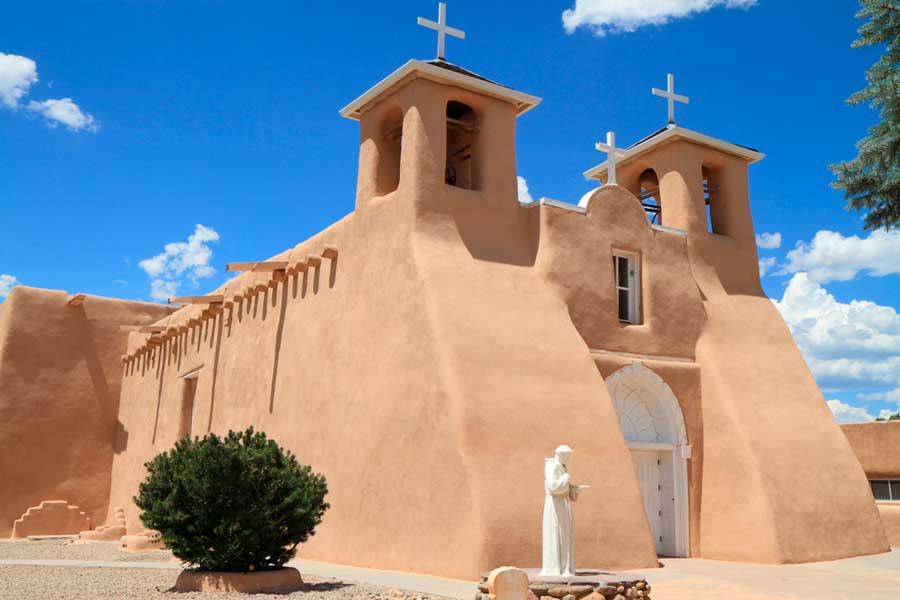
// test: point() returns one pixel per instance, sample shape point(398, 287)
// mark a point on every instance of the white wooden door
point(648, 469)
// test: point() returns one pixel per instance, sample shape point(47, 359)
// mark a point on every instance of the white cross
point(614, 153)
point(442, 28)
point(671, 96)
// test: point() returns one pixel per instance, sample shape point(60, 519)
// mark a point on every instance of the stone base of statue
point(587, 584)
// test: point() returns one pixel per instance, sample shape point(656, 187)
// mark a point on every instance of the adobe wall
point(412, 357)
point(773, 491)
point(518, 373)
point(338, 365)
point(683, 378)
point(877, 446)
point(453, 335)
point(759, 467)
point(60, 374)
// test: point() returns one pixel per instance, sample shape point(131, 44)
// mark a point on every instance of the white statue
point(559, 538)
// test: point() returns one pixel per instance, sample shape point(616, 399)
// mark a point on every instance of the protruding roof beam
point(330, 252)
point(258, 267)
point(76, 299)
point(143, 328)
point(218, 299)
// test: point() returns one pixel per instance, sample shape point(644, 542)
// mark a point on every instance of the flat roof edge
point(748, 154)
point(523, 102)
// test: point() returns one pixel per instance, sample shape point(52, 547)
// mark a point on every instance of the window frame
point(189, 381)
point(632, 286)
point(891, 483)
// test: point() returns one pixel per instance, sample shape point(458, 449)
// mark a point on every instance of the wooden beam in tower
point(76, 299)
point(330, 252)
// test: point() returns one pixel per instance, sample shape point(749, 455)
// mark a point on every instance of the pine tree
point(871, 181)
point(240, 504)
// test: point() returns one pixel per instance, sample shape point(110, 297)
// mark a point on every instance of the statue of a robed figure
point(559, 537)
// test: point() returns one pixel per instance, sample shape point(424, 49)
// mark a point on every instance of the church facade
point(430, 349)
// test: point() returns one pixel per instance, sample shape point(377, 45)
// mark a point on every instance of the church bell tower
point(694, 183)
point(434, 131)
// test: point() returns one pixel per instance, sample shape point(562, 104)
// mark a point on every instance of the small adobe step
point(149, 539)
point(111, 532)
point(51, 517)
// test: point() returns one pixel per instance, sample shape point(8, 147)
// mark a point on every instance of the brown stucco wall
point(877, 446)
point(60, 374)
point(890, 518)
point(703, 303)
point(427, 383)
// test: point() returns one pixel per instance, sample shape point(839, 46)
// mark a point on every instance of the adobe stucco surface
point(60, 377)
point(459, 336)
point(877, 446)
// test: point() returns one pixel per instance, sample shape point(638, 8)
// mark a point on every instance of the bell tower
point(695, 183)
point(432, 131)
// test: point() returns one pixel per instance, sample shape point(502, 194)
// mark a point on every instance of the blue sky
point(125, 124)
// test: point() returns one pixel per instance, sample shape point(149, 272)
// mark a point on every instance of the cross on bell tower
point(442, 28)
point(614, 155)
point(670, 95)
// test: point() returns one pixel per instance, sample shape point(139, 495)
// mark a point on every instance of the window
point(188, 393)
point(886, 490)
point(462, 130)
point(626, 269)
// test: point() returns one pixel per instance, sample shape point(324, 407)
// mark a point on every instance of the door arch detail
point(653, 426)
point(647, 409)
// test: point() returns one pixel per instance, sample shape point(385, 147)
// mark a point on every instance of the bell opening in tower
point(462, 131)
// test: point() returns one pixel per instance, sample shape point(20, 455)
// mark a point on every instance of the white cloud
point(832, 257)
point(768, 241)
point(846, 413)
point(66, 112)
point(181, 260)
point(889, 396)
point(524, 194)
point(765, 265)
point(614, 16)
point(846, 345)
point(17, 73)
point(7, 283)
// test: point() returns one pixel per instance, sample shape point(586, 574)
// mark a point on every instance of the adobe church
point(430, 349)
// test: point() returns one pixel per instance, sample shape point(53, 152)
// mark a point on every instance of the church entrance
point(653, 426)
point(647, 466)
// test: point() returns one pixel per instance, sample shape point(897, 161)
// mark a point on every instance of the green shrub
point(240, 503)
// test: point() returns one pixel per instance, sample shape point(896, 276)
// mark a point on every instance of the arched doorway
point(651, 421)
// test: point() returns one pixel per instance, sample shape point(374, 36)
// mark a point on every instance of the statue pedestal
point(586, 583)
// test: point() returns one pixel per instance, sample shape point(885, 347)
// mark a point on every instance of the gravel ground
point(75, 583)
point(65, 550)
point(67, 583)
